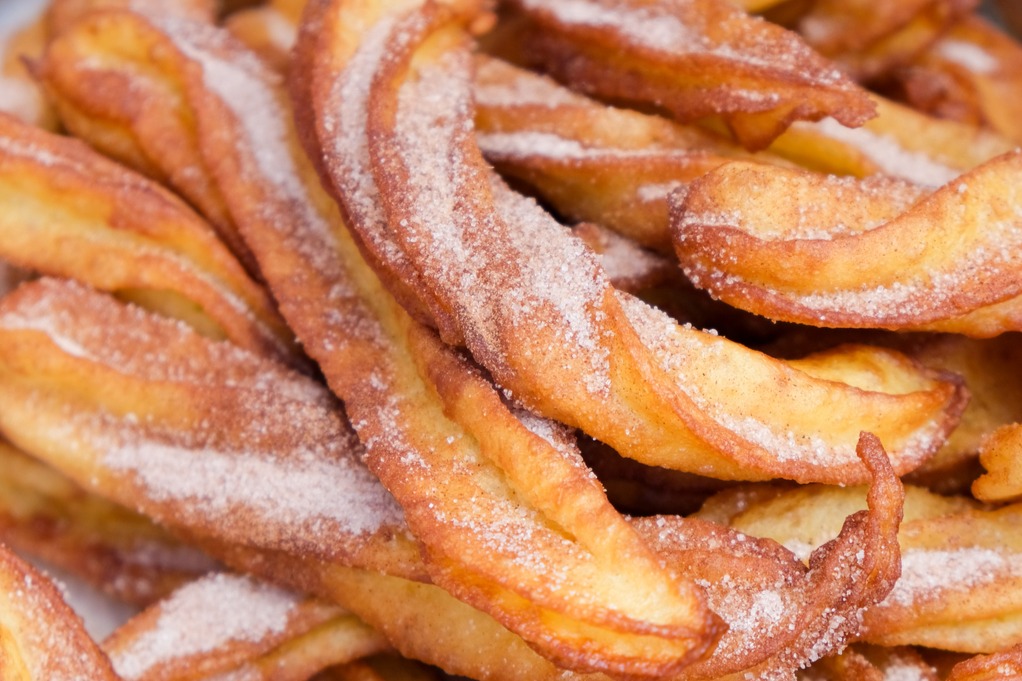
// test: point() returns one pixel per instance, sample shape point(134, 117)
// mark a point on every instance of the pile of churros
point(589, 340)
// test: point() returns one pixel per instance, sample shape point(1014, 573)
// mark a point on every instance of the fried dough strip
point(986, 365)
point(988, 368)
point(44, 514)
point(882, 255)
point(869, 39)
point(961, 583)
point(41, 638)
point(999, 666)
point(695, 58)
point(144, 412)
point(484, 533)
point(1001, 456)
point(67, 211)
point(562, 340)
point(592, 162)
point(798, 615)
point(970, 74)
point(269, 30)
point(899, 142)
point(144, 129)
point(230, 625)
point(422, 621)
point(872, 663)
point(806, 612)
point(389, 611)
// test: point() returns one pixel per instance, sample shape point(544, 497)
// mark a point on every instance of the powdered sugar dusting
point(675, 352)
point(678, 29)
point(907, 670)
point(25, 149)
point(890, 155)
point(53, 642)
point(968, 260)
point(927, 294)
point(45, 325)
point(624, 261)
point(925, 573)
point(307, 489)
point(203, 616)
point(273, 451)
point(657, 191)
point(499, 84)
point(968, 55)
point(545, 273)
point(532, 144)
point(645, 24)
point(253, 93)
point(344, 125)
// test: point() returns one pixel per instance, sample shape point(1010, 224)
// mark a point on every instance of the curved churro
point(475, 528)
point(969, 75)
point(961, 586)
point(147, 413)
point(648, 375)
point(882, 254)
point(869, 40)
point(1000, 665)
point(230, 625)
point(67, 211)
point(695, 58)
point(800, 614)
point(899, 142)
point(41, 639)
point(43, 514)
point(592, 162)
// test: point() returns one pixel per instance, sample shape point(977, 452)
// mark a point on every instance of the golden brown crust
point(869, 40)
point(798, 614)
point(899, 142)
point(1001, 456)
point(71, 212)
point(41, 638)
point(632, 355)
point(139, 119)
point(883, 255)
point(224, 624)
point(145, 412)
point(695, 58)
point(960, 586)
point(43, 514)
point(968, 75)
point(590, 161)
point(1002, 665)
point(362, 345)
